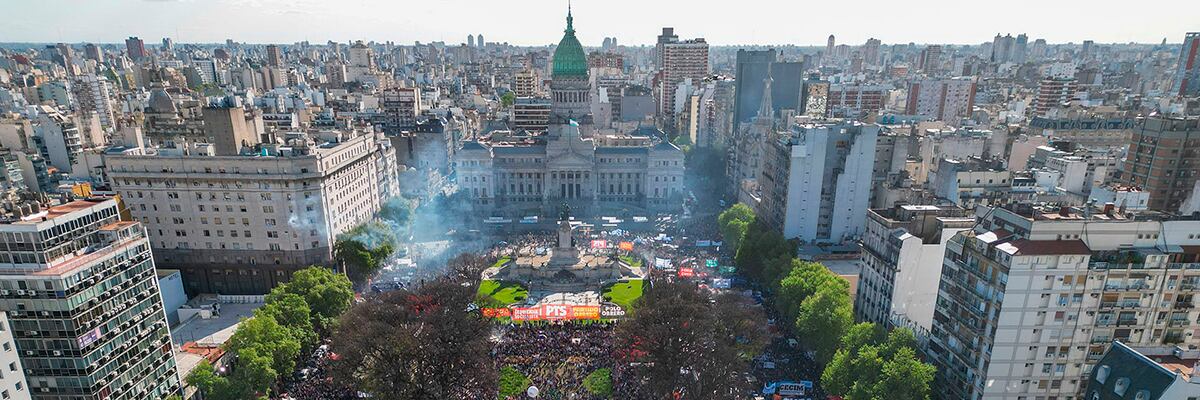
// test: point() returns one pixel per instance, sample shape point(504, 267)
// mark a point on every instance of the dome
point(161, 102)
point(569, 59)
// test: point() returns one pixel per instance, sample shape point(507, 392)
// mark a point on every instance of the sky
point(632, 22)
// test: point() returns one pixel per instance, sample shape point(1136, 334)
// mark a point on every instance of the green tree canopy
point(823, 318)
point(599, 383)
point(292, 312)
point(266, 338)
point(733, 224)
point(871, 366)
point(327, 293)
point(513, 382)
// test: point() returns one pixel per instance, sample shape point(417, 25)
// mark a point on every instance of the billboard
point(610, 310)
point(527, 314)
point(585, 312)
point(627, 246)
point(497, 312)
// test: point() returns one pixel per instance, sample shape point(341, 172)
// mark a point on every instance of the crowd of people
point(312, 382)
point(557, 357)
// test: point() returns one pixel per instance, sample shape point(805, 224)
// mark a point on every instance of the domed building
point(570, 88)
point(637, 173)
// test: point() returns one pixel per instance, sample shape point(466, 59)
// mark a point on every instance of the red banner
point(686, 272)
point(627, 246)
point(599, 244)
point(548, 312)
point(497, 312)
point(585, 312)
point(526, 314)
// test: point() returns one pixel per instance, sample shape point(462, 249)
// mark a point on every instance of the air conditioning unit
point(20, 292)
point(29, 353)
point(57, 353)
point(45, 390)
point(4, 292)
point(45, 313)
point(32, 293)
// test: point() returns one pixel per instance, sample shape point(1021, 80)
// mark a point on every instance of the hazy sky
point(539, 22)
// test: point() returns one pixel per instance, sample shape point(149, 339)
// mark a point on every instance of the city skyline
point(290, 21)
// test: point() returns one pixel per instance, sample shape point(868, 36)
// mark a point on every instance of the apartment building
point(816, 180)
point(1032, 297)
point(242, 224)
point(401, 107)
point(83, 303)
point(902, 250)
point(941, 99)
point(1163, 160)
point(681, 60)
point(12, 376)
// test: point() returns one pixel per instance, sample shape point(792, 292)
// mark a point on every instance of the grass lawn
point(632, 261)
point(501, 293)
point(502, 261)
point(624, 294)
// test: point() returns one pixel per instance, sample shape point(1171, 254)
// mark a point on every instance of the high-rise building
point(92, 94)
point(941, 99)
point(482, 43)
point(531, 114)
point(1088, 50)
point(92, 52)
point(527, 84)
point(1163, 160)
point(829, 45)
point(902, 256)
point(681, 60)
point(816, 181)
point(83, 304)
point(274, 56)
point(241, 224)
point(470, 40)
point(1020, 51)
point(870, 51)
point(1187, 69)
point(668, 36)
point(1031, 297)
point(226, 125)
point(930, 61)
point(168, 45)
point(855, 101)
point(401, 107)
point(1052, 93)
point(135, 48)
point(1002, 48)
point(751, 69)
point(12, 382)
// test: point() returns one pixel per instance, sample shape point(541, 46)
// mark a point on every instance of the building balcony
point(1178, 322)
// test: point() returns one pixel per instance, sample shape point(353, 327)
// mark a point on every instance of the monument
point(564, 268)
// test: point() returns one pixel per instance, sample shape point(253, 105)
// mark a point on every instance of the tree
point(421, 343)
point(467, 268)
point(802, 280)
point(823, 318)
point(871, 365)
point(508, 99)
point(684, 345)
point(365, 249)
point(513, 382)
point(733, 224)
point(760, 245)
point(212, 386)
point(292, 312)
point(398, 211)
point(599, 383)
point(266, 338)
point(905, 377)
point(327, 293)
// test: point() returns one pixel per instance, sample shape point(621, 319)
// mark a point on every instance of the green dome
point(569, 59)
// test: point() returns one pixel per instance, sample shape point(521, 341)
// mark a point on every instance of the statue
point(564, 212)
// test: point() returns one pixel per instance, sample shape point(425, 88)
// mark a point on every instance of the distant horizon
point(540, 22)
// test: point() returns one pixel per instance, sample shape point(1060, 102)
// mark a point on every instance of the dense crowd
point(558, 357)
point(313, 382)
